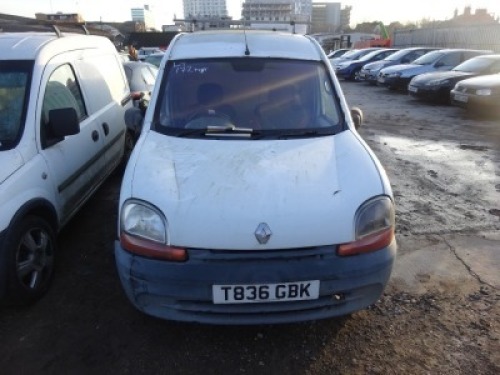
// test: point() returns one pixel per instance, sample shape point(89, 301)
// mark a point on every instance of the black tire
point(28, 254)
point(129, 145)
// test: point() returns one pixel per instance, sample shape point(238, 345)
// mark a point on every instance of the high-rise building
point(326, 17)
point(205, 8)
point(143, 15)
point(277, 10)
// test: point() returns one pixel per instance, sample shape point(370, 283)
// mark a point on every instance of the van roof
point(232, 43)
point(27, 45)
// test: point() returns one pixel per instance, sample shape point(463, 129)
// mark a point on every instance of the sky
point(386, 11)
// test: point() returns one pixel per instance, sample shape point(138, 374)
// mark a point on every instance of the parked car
point(146, 51)
point(338, 53)
point(240, 203)
point(354, 54)
point(398, 76)
point(154, 58)
point(350, 69)
point(436, 86)
point(370, 71)
point(141, 77)
point(62, 132)
point(478, 94)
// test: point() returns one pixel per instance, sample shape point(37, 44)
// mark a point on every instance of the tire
point(129, 145)
point(28, 254)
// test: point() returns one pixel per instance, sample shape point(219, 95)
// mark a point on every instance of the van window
point(62, 91)
point(268, 95)
point(105, 82)
point(15, 78)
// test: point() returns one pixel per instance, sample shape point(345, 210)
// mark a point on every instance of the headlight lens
point(375, 223)
point(483, 92)
point(142, 220)
point(373, 216)
point(143, 231)
point(438, 82)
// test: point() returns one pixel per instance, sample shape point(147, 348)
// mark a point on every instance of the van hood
point(215, 193)
point(10, 161)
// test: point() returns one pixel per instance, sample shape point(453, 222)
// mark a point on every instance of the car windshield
point(15, 77)
point(264, 97)
point(369, 55)
point(358, 54)
point(398, 55)
point(428, 58)
point(475, 65)
point(350, 53)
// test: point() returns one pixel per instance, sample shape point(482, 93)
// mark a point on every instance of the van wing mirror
point(63, 122)
point(357, 116)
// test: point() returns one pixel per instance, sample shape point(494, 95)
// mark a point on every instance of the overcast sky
point(363, 10)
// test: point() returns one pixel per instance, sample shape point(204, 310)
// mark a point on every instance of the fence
point(475, 37)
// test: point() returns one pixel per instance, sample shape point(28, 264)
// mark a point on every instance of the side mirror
point(134, 118)
point(63, 122)
point(357, 116)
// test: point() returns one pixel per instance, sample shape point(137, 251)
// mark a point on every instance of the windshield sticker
point(184, 68)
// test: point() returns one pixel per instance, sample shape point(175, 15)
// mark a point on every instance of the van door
point(76, 163)
point(108, 96)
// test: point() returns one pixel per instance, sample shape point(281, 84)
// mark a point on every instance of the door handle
point(95, 135)
point(105, 127)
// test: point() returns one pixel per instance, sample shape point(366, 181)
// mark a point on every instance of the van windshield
point(271, 97)
point(15, 77)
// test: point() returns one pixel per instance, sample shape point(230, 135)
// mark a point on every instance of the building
point(61, 17)
point(205, 8)
point(326, 17)
point(145, 16)
point(278, 14)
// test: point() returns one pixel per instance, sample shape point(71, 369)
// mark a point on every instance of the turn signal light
point(372, 242)
point(152, 249)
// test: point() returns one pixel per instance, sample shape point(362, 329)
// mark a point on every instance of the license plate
point(412, 89)
point(461, 98)
point(262, 293)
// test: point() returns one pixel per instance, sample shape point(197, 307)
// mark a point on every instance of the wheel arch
point(40, 208)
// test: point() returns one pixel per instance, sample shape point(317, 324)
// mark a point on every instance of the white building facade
point(205, 8)
point(144, 15)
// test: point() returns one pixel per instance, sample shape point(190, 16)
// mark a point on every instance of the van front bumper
point(183, 291)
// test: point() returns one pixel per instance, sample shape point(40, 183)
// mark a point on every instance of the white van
point(250, 198)
point(62, 132)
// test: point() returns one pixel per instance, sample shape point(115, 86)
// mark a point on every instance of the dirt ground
point(436, 317)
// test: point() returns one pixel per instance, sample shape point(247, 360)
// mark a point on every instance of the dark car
point(478, 94)
point(349, 69)
point(437, 86)
point(398, 76)
point(338, 53)
point(354, 54)
point(370, 71)
point(141, 77)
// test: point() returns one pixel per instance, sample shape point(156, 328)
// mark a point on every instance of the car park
point(370, 71)
point(478, 94)
point(146, 51)
point(154, 58)
point(354, 54)
point(62, 132)
point(250, 198)
point(350, 69)
point(338, 53)
point(436, 86)
point(141, 77)
point(399, 76)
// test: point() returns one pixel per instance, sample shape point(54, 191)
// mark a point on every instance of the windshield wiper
point(304, 134)
point(216, 130)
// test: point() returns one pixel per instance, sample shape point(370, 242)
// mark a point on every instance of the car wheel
point(28, 254)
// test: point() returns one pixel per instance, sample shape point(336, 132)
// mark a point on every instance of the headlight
point(141, 220)
point(375, 223)
point(483, 92)
point(438, 82)
point(143, 231)
point(394, 75)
